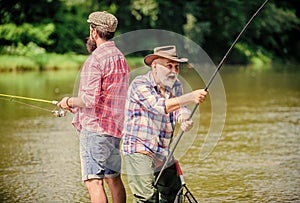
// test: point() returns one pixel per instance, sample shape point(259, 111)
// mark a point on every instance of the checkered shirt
point(104, 81)
point(147, 126)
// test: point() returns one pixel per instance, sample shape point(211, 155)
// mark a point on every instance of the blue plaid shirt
point(147, 126)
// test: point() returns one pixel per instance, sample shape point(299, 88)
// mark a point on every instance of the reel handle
point(59, 113)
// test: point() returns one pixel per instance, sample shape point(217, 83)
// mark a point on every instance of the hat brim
point(149, 58)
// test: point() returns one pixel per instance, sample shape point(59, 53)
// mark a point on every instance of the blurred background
point(255, 159)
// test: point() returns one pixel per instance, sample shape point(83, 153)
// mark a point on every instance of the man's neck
point(100, 41)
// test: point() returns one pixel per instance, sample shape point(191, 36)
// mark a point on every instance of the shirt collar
point(106, 44)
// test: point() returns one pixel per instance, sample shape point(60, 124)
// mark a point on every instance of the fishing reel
point(59, 113)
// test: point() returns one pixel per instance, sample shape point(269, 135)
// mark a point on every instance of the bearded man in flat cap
point(99, 110)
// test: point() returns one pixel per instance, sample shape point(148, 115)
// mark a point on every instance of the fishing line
point(208, 84)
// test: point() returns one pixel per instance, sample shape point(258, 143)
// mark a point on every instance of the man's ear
point(95, 34)
point(153, 65)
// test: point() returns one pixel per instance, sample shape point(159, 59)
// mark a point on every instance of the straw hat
point(168, 52)
point(103, 20)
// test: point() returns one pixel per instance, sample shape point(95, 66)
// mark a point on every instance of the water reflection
point(257, 158)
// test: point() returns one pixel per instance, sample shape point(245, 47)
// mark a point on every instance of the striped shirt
point(104, 81)
point(147, 127)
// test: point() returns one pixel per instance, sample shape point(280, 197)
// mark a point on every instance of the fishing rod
point(28, 98)
point(209, 83)
point(56, 113)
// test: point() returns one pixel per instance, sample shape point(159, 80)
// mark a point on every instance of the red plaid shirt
point(104, 81)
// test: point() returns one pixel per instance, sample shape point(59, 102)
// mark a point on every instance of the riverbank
point(49, 61)
point(54, 61)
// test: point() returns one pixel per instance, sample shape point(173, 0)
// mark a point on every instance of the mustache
point(172, 76)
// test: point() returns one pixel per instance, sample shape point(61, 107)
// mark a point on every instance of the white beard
point(165, 79)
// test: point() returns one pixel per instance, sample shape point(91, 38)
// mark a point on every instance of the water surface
point(256, 159)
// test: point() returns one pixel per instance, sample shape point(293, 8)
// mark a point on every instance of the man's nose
point(174, 69)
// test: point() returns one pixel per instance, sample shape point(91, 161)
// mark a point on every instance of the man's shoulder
point(142, 78)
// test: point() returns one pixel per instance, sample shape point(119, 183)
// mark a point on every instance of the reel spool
point(59, 113)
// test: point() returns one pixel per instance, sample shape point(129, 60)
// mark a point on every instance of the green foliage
point(196, 30)
point(43, 61)
point(196, 27)
point(60, 61)
point(141, 8)
point(134, 62)
point(71, 30)
point(274, 32)
point(27, 33)
point(25, 39)
point(245, 53)
point(15, 63)
point(29, 11)
point(171, 16)
point(50, 24)
point(35, 27)
point(30, 49)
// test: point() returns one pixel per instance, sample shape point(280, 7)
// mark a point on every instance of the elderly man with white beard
point(155, 101)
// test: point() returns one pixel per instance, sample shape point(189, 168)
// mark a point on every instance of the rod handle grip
point(54, 102)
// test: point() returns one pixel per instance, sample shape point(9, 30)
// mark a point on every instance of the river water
point(256, 157)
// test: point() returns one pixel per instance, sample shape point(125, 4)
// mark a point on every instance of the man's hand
point(63, 103)
point(183, 117)
point(199, 96)
point(186, 125)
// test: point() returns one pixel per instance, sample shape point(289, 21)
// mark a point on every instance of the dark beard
point(90, 45)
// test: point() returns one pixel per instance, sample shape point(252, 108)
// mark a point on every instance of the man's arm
point(197, 97)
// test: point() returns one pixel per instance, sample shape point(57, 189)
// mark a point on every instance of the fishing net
point(185, 195)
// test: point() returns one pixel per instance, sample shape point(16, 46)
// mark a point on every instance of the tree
point(212, 24)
